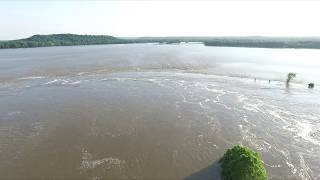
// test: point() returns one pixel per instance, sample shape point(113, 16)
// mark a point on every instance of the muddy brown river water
point(146, 111)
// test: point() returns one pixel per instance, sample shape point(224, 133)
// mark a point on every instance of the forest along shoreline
point(75, 39)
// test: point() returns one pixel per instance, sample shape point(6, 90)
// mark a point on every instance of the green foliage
point(60, 40)
point(73, 39)
point(265, 43)
point(290, 76)
point(241, 163)
point(253, 41)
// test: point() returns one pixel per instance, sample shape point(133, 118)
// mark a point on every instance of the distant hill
point(61, 40)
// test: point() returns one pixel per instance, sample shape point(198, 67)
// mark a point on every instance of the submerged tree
point(290, 76)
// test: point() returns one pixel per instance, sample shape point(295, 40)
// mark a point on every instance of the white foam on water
point(75, 82)
point(119, 79)
point(305, 171)
point(300, 124)
point(254, 107)
point(305, 130)
point(57, 81)
point(276, 117)
point(218, 93)
point(82, 73)
point(245, 119)
point(292, 168)
point(37, 128)
point(31, 77)
point(242, 98)
point(14, 113)
point(288, 161)
point(311, 117)
point(51, 82)
point(108, 163)
point(63, 82)
point(272, 166)
point(253, 140)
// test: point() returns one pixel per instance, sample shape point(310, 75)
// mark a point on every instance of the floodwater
point(147, 111)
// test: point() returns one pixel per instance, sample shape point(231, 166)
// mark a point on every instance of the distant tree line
point(73, 39)
point(299, 44)
point(61, 40)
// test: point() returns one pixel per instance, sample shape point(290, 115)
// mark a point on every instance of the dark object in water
point(290, 76)
point(269, 81)
point(311, 85)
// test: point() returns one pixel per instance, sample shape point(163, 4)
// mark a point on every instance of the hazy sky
point(20, 19)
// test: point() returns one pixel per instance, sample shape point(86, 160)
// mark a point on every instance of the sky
point(20, 19)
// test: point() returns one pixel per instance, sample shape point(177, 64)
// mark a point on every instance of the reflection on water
point(101, 114)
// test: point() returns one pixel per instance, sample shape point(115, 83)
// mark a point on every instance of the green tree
point(290, 76)
point(241, 163)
